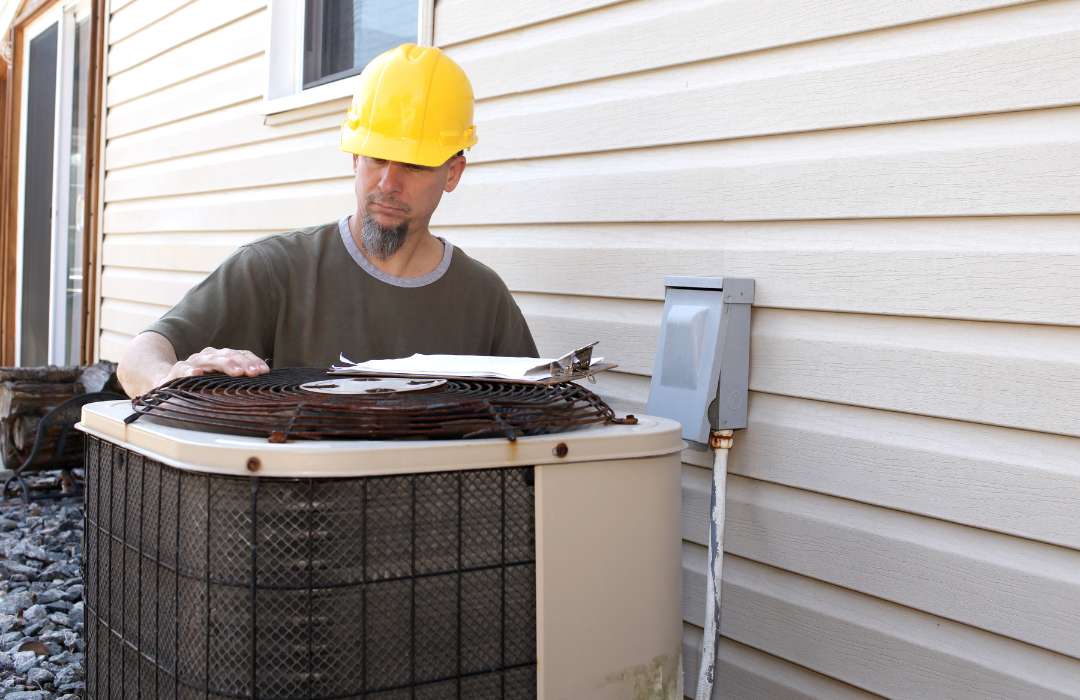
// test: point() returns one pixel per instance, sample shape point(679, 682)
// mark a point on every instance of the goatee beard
point(382, 242)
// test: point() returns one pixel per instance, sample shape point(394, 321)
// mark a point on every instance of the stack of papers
point(574, 365)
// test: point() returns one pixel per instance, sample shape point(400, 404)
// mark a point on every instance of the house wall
point(192, 169)
point(899, 178)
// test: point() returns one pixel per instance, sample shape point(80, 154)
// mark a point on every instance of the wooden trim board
point(95, 175)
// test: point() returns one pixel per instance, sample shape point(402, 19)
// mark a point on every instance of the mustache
point(387, 202)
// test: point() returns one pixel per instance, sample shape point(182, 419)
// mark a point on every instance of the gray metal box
point(701, 374)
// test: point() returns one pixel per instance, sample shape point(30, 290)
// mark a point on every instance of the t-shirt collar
point(360, 259)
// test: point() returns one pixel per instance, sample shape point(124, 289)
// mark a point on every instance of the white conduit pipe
point(721, 443)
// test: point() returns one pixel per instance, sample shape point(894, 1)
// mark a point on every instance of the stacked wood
point(27, 394)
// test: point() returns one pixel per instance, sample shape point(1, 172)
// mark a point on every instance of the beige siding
point(899, 178)
point(192, 170)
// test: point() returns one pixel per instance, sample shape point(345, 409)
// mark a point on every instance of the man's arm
point(513, 337)
point(150, 361)
point(233, 307)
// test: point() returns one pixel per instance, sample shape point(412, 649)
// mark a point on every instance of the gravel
point(42, 650)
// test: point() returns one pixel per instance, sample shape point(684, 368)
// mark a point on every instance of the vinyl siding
point(900, 180)
point(896, 176)
point(192, 170)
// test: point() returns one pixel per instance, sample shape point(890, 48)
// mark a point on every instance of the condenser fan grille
point(279, 407)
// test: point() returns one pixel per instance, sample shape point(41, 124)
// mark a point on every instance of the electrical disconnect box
point(701, 374)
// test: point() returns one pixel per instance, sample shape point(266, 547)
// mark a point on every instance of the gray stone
point(77, 614)
point(60, 618)
point(38, 677)
point(10, 638)
point(7, 661)
point(60, 568)
point(31, 630)
point(65, 657)
point(74, 593)
point(14, 603)
point(6, 524)
point(24, 661)
point(41, 554)
point(7, 622)
point(58, 606)
point(68, 674)
point(50, 596)
point(35, 613)
point(27, 695)
point(14, 569)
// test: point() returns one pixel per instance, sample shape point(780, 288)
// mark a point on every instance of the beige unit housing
point(900, 179)
point(605, 516)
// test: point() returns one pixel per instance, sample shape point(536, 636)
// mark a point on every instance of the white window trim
point(284, 59)
point(74, 11)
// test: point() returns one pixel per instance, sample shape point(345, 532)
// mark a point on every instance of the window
point(52, 176)
point(316, 45)
point(341, 36)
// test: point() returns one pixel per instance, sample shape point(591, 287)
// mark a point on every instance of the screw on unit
point(560, 450)
point(253, 464)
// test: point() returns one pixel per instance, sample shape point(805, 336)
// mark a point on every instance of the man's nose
point(391, 178)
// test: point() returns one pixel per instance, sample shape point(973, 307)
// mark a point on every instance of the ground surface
point(42, 652)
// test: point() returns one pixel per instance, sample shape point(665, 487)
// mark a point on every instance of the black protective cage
point(418, 587)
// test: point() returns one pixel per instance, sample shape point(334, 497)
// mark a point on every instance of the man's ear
point(455, 167)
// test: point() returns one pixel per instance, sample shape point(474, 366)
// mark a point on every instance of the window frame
point(284, 90)
point(65, 15)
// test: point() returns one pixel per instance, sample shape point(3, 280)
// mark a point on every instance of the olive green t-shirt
point(304, 297)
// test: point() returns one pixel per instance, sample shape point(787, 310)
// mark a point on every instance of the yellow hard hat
point(413, 105)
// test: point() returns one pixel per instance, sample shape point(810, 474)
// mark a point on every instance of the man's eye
point(376, 161)
point(414, 167)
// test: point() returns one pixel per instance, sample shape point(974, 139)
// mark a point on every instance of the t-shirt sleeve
point(512, 335)
point(234, 307)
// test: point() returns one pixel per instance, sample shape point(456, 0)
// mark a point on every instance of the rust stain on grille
point(274, 406)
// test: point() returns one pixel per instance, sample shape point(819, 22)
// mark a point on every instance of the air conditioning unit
point(229, 566)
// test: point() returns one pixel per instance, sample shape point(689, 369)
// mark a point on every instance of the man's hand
point(150, 361)
point(235, 363)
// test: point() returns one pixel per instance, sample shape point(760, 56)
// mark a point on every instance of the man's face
point(395, 199)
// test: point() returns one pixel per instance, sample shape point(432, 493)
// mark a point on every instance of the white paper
point(479, 366)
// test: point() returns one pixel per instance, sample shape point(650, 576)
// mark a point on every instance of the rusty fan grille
point(275, 406)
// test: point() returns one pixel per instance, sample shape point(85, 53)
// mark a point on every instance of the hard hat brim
point(364, 142)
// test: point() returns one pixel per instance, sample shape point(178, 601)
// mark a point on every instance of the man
point(377, 283)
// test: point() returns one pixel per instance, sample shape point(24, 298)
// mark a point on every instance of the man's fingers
point(182, 369)
point(235, 363)
point(253, 363)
